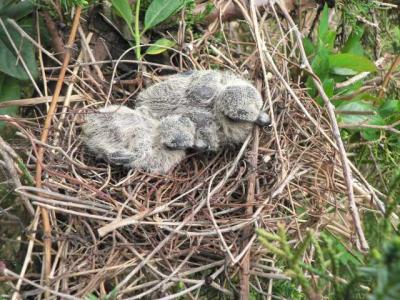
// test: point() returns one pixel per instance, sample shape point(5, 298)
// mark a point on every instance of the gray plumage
point(134, 139)
point(223, 106)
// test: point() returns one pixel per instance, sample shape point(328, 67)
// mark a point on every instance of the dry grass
point(147, 235)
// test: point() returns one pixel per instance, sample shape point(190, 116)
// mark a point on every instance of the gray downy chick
point(223, 106)
point(235, 103)
point(132, 138)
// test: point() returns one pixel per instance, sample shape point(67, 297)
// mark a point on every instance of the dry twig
point(43, 139)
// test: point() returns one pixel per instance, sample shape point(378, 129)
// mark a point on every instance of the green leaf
point(17, 10)
point(350, 64)
point(323, 24)
point(4, 4)
point(390, 111)
point(396, 40)
point(328, 85)
point(330, 40)
point(361, 106)
point(124, 10)
point(373, 134)
point(357, 106)
point(320, 66)
point(160, 46)
point(112, 294)
point(160, 10)
point(343, 71)
point(308, 46)
point(353, 44)
point(9, 62)
point(9, 90)
point(389, 107)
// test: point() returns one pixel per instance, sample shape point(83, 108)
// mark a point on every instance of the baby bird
point(223, 106)
point(132, 138)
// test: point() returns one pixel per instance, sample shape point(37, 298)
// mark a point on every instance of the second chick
point(132, 138)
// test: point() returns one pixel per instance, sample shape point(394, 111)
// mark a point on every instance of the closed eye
point(230, 119)
point(236, 119)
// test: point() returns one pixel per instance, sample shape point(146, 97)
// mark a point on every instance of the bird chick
point(236, 104)
point(236, 110)
point(223, 106)
point(132, 138)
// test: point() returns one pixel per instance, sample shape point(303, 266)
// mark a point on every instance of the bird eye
point(169, 146)
point(231, 119)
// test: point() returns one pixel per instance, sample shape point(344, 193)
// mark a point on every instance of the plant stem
point(387, 77)
point(43, 138)
point(137, 33)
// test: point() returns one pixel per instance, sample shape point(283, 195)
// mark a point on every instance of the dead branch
point(43, 139)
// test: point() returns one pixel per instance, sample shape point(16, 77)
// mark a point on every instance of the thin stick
point(357, 77)
point(28, 255)
point(391, 128)
point(44, 136)
point(245, 265)
point(40, 58)
point(352, 80)
point(8, 272)
point(85, 43)
point(40, 100)
point(67, 98)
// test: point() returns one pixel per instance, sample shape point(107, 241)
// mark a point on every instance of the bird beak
point(263, 119)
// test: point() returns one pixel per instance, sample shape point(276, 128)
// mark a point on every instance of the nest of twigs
point(192, 231)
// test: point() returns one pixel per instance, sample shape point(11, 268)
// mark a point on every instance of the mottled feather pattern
point(133, 139)
point(205, 110)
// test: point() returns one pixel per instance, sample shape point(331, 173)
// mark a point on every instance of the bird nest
point(190, 231)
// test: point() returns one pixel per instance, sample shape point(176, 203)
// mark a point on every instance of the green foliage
point(396, 40)
point(353, 44)
point(68, 4)
point(349, 64)
point(360, 107)
point(386, 272)
point(354, 9)
point(10, 63)
point(91, 297)
point(9, 89)
point(334, 66)
point(157, 12)
point(295, 268)
point(327, 62)
point(160, 10)
point(124, 10)
point(381, 272)
point(160, 46)
point(335, 265)
point(111, 295)
point(324, 22)
point(12, 71)
point(336, 60)
point(191, 18)
point(16, 9)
